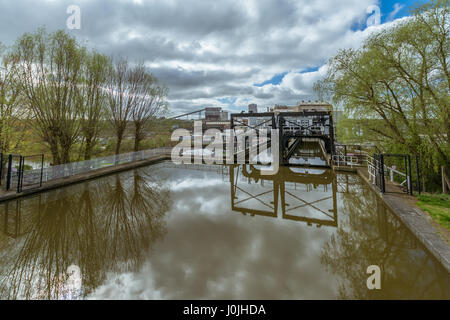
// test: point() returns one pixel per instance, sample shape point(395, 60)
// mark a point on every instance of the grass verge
point(438, 206)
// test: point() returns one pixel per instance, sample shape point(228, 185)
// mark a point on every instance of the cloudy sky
point(215, 53)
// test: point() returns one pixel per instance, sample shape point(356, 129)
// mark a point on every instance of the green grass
point(438, 206)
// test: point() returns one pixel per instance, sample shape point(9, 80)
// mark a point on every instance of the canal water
point(211, 232)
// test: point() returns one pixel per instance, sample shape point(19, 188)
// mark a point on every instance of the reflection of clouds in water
point(307, 170)
point(103, 226)
point(200, 265)
point(72, 287)
point(127, 286)
point(193, 183)
point(211, 252)
point(67, 285)
point(210, 199)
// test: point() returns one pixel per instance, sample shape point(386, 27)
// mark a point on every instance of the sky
point(215, 53)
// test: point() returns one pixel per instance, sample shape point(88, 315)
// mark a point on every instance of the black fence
point(13, 175)
point(22, 172)
point(398, 169)
point(379, 172)
point(32, 170)
point(2, 168)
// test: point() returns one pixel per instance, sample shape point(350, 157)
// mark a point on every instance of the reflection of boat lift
point(273, 205)
point(280, 181)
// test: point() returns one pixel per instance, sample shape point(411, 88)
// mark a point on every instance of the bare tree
point(149, 104)
point(93, 99)
point(120, 99)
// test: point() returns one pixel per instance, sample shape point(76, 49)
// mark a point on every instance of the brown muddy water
point(211, 232)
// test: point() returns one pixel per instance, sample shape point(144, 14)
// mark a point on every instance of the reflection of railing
point(217, 168)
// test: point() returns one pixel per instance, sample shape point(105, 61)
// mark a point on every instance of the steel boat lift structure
point(293, 129)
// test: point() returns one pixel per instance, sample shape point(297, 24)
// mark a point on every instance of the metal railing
point(378, 171)
point(75, 168)
point(343, 160)
point(372, 165)
point(376, 166)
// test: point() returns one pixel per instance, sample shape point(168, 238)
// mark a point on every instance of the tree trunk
point(88, 149)
point(55, 154)
point(65, 157)
point(137, 137)
point(445, 182)
point(136, 144)
point(119, 142)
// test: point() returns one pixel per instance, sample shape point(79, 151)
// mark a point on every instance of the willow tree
point(49, 70)
point(134, 96)
point(120, 99)
point(92, 99)
point(149, 104)
point(12, 113)
point(398, 83)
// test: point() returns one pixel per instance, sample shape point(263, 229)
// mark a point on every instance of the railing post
point(406, 171)
point(409, 175)
point(42, 169)
point(8, 174)
point(383, 185)
point(1, 167)
point(20, 174)
point(418, 173)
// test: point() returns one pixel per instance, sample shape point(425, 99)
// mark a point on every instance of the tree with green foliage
point(398, 85)
point(70, 93)
point(49, 70)
point(13, 114)
point(12, 111)
point(92, 99)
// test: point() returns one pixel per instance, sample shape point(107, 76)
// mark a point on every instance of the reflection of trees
point(371, 235)
point(100, 226)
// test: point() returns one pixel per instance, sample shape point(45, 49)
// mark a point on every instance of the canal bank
point(167, 231)
point(66, 181)
point(401, 204)
point(417, 221)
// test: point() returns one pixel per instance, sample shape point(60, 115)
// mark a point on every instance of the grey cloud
point(204, 50)
point(181, 78)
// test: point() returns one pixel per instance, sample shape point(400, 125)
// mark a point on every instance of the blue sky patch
point(276, 79)
point(227, 100)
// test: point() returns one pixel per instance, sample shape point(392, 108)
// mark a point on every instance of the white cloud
point(207, 50)
point(397, 8)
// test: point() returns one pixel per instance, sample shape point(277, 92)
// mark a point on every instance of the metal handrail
point(345, 160)
point(73, 168)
